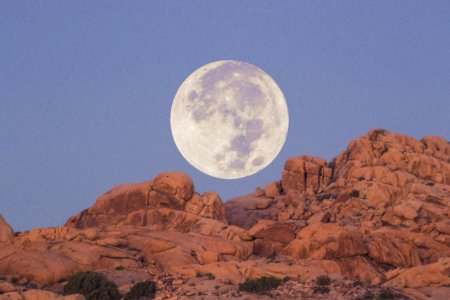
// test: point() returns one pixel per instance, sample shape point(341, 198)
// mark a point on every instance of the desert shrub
point(92, 285)
point(321, 289)
point(119, 268)
point(208, 276)
point(357, 283)
point(323, 280)
point(354, 194)
point(15, 280)
point(31, 285)
point(386, 294)
point(145, 289)
point(261, 285)
point(367, 296)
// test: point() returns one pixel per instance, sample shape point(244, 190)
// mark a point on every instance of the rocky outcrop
point(326, 241)
point(6, 232)
point(432, 275)
point(131, 204)
point(384, 200)
point(37, 295)
point(378, 213)
point(46, 258)
point(208, 205)
point(306, 174)
point(157, 225)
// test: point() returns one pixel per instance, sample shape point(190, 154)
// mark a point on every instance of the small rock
point(406, 211)
point(6, 287)
point(272, 189)
point(443, 227)
point(259, 192)
point(190, 293)
point(263, 203)
point(91, 233)
point(321, 217)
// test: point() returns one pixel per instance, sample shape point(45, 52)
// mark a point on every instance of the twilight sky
point(86, 87)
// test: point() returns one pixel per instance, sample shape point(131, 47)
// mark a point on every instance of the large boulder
point(393, 251)
point(326, 241)
point(246, 211)
point(432, 275)
point(177, 185)
point(306, 174)
point(208, 205)
point(271, 237)
point(129, 203)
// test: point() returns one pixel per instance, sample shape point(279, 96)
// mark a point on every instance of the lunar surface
point(229, 119)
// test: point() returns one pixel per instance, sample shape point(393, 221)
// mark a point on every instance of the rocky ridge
point(377, 214)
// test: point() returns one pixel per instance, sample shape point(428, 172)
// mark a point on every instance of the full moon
point(229, 119)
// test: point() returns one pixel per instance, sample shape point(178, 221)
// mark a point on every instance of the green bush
point(119, 268)
point(145, 289)
point(261, 285)
point(323, 280)
point(92, 285)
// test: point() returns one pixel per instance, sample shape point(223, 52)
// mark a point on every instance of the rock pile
point(377, 214)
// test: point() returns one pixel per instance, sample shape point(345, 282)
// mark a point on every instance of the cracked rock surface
point(375, 217)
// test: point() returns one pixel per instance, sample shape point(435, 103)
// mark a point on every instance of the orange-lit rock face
point(130, 204)
point(379, 213)
point(6, 232)
point(381, 181)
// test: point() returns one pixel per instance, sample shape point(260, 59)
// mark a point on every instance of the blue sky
point(86, 87)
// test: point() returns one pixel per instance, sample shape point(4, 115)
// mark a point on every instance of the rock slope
point(377, 214)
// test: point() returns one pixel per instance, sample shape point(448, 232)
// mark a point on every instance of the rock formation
point(378, 213)
point(6, 232)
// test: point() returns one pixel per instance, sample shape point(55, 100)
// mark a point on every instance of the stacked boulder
point(306, 174)
point(383, 204)
point(135, 204)
point(379, 212)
